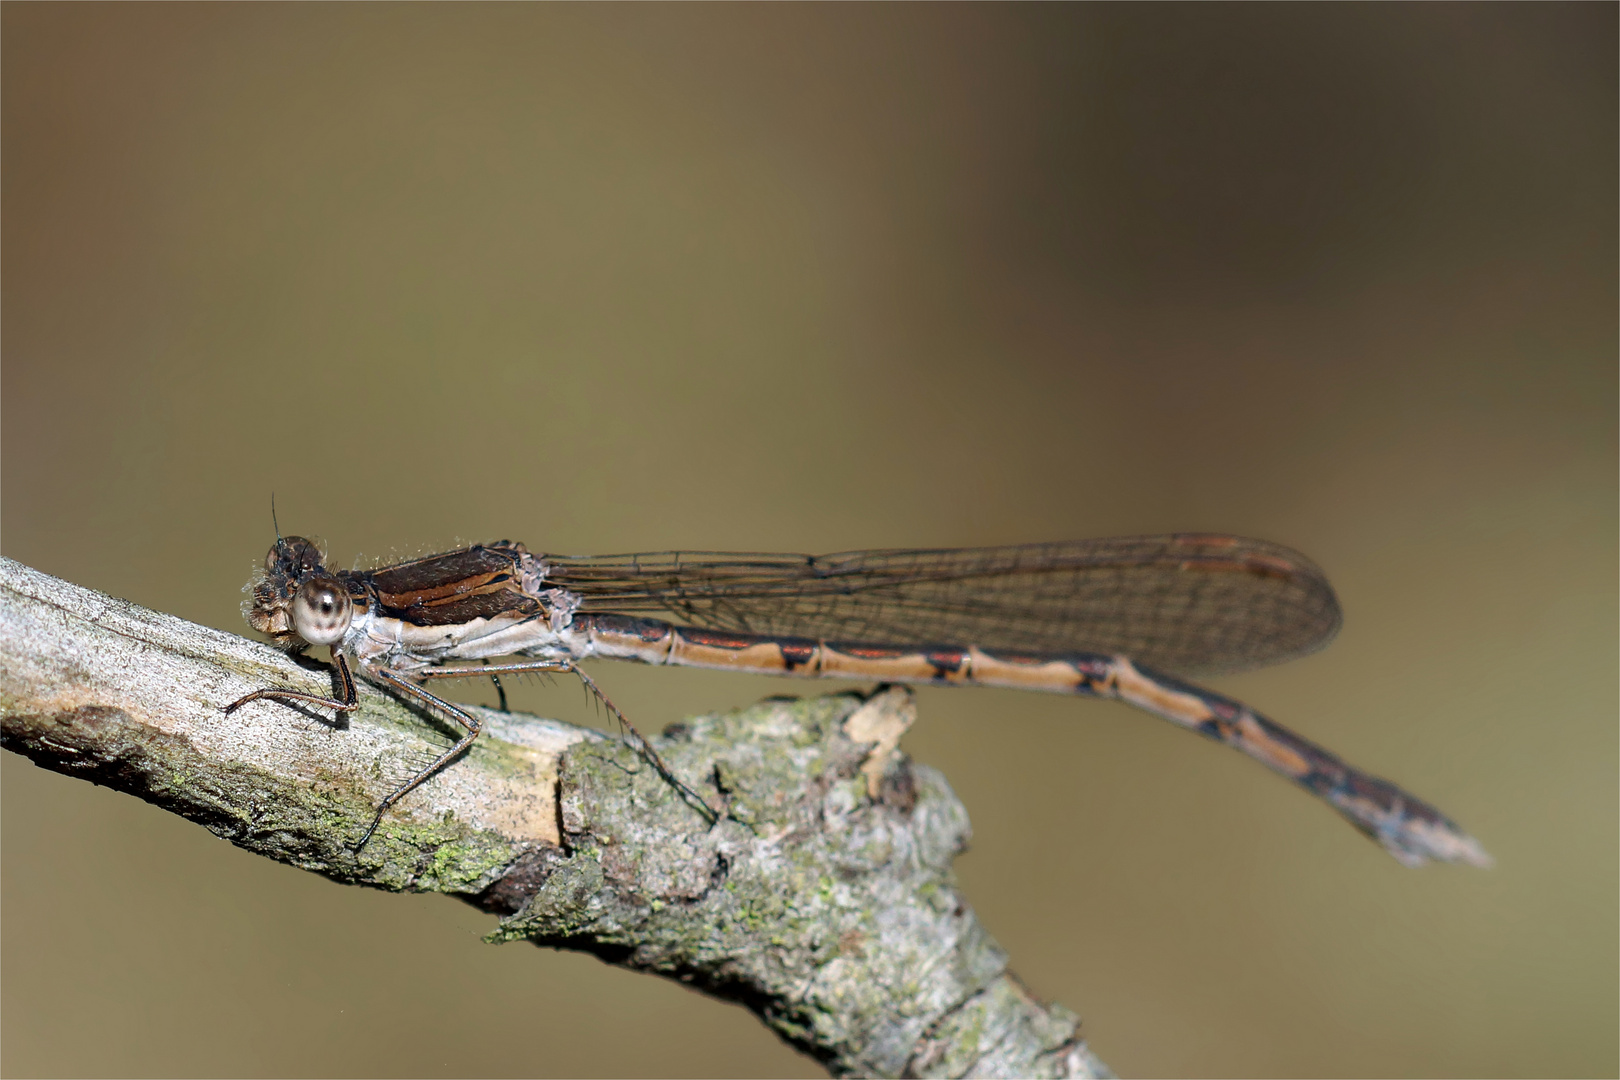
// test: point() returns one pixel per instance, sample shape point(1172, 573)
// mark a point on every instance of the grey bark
point(823, 899)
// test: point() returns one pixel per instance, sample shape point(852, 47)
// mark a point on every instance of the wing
point(1185, 603)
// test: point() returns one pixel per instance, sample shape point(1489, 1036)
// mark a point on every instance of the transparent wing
point(1186, 603)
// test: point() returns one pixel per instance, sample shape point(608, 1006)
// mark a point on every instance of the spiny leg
point(471, 723)
point(349, 702)
point(638, 741)
point(500, 691)
point(644, 748)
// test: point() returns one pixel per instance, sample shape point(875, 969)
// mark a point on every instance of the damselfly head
point(297, 594)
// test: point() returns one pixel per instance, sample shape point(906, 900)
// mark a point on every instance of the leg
point(466, 720)
point(349, 702)
point(637, 741)
point(644, 748)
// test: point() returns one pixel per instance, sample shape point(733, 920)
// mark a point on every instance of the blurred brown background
point(816, 278)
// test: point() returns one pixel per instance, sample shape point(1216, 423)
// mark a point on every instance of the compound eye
point(321, 611)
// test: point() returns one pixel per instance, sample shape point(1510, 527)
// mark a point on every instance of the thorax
point(476, 604)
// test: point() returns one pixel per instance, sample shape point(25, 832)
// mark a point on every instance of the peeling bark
point(823, 899)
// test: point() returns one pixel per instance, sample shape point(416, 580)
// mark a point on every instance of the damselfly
point(1107, 618)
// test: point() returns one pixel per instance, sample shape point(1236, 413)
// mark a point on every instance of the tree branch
point(823, 900)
